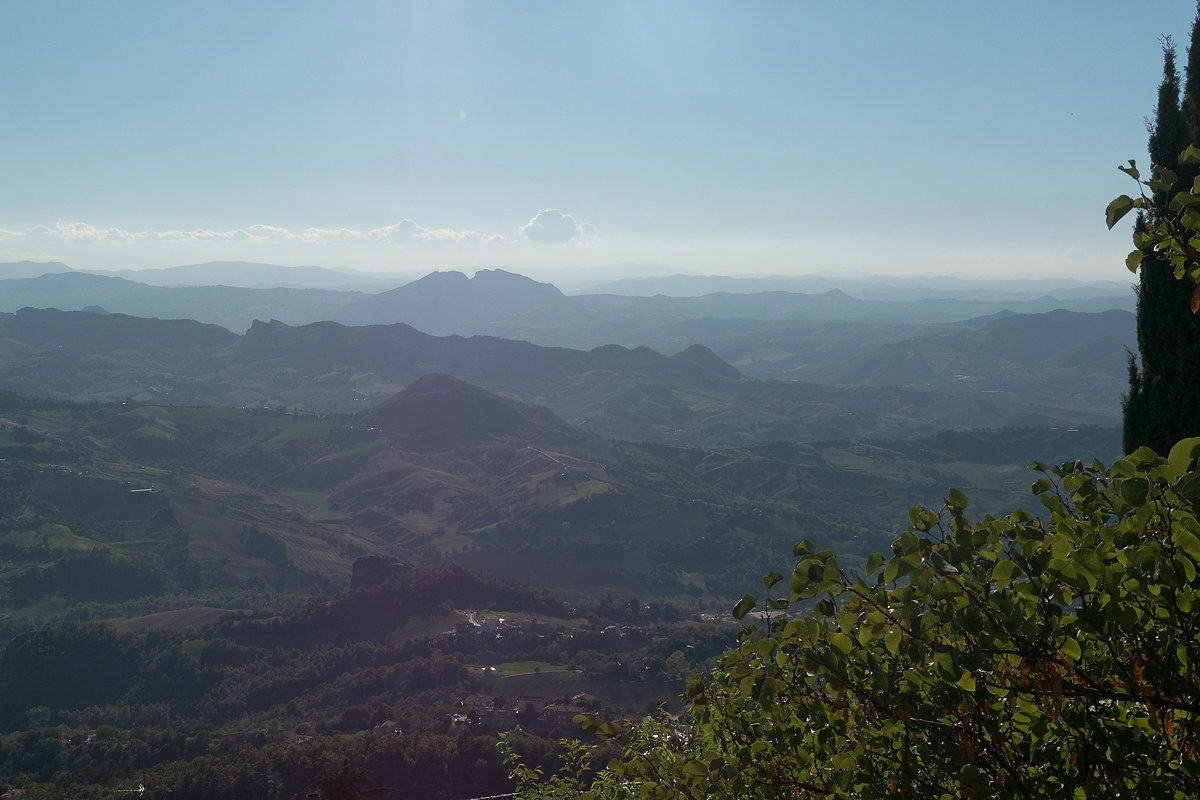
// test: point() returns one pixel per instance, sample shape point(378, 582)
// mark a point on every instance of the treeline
point(50, 763)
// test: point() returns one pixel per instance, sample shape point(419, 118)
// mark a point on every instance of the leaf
point(1188, 543)
point(891, 640)
point(1131, 170)
point(957, 499)
point(874, 562)
point(1180, 457)
point(1190, 156)
point(1071, 649)
point(841, 641)
point(1117, 209)
point(1134, 260)
point(1003, 571)
point(744, 606)
point(1134, 491)
point(1161, 179)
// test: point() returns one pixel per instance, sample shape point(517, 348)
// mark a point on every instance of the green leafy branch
point(1170, 224)
point(1021, 656)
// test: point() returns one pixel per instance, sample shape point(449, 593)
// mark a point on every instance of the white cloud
point(551, 226)
point(404, 232)
point(188, 236)
point(407, 231)
point(326, 235)
point(78, 232)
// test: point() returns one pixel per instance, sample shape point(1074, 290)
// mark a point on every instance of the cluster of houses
point(499, 626)
point(534, 714)
point(511, 623)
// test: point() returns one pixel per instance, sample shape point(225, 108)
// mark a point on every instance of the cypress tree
point(1163, 402)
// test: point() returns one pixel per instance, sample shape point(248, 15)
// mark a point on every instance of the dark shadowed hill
point(438, 413)
point(1070, 359)
point(450, 302)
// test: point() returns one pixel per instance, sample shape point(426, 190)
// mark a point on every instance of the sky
point(577, 139)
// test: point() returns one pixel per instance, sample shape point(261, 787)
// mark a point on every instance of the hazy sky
point(711, 137)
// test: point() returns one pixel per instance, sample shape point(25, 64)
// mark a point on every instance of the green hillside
point(692, 397)
point(113, 503)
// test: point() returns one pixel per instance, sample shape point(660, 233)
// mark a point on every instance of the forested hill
point(691, 397)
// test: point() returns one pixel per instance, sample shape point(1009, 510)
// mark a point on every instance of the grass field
point(177, 620)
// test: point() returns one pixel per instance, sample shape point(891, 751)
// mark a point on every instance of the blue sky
point(562, 138)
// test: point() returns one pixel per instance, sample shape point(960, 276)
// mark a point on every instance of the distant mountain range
point(867, 287)
point(251, 275)
point(693, 396)
point(1065, 347)
point(500, 303)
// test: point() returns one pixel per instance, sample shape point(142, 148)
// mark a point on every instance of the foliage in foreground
point(1162, 405)
point(1050, 656)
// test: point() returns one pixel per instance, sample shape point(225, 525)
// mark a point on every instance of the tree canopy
point(1048, 656)
point(1163, 401)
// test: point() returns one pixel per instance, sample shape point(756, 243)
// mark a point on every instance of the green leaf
point(772, 579)
point(1181, 455)
point(1188, 543)
point(841, 641)
point(891, 640)
point(1071, 649)
point(957, 499)
point(1134, 491)
point(1161, 179)
point(943, 662)
point(1002, 573)
point(1117, 209)
point(744, 606)
point(1190, 156)
point(1134, 260)
point(874, 562)
point(1131, 170)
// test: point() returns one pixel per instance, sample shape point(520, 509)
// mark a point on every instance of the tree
point(1163, 401)
point(567, 783)
point(345, 783)
point(1035, 657)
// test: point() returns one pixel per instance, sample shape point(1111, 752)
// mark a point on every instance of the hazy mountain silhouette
point(231, 307)
point(30, 269)
point(439, 412)
point(252, 275)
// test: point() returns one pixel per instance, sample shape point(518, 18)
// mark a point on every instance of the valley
point(303, 528)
